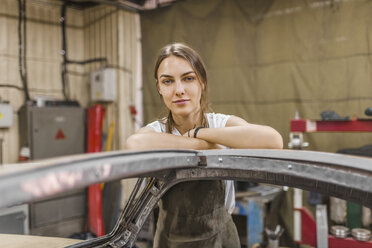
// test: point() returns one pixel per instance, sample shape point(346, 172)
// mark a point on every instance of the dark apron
point(193, 214)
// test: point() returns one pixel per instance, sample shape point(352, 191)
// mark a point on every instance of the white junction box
point(6, 115)
point(103, 85)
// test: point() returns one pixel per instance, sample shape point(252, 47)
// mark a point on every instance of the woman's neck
point(185, 123)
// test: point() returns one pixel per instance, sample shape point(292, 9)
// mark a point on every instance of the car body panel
point(344, 176)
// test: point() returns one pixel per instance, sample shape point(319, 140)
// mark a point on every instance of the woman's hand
point(189, 133)
point(210, 145)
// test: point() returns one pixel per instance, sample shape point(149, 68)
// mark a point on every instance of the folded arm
point(240, 134)
point(236, 134)
point(146, 138)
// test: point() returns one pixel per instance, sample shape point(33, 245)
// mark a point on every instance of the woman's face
point(179, 86)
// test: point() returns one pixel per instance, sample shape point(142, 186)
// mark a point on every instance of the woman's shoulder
point(216, 120)
point(217, 115)
point(157, 126)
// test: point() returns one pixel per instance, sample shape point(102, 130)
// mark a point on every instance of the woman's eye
point(189, 79)
point(167, 81)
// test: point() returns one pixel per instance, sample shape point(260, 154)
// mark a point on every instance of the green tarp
point(266, 59)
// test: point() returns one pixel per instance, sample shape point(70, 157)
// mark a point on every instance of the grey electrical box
point(49, 132)
point(52, 131)
point(14, 220)
point(60, 216)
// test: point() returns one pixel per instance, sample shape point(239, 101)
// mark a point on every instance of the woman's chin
point(182, 112)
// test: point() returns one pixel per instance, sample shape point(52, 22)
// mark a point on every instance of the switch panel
point(103, 85)
point(6, 115)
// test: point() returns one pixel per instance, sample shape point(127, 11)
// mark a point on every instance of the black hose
point(64, 52)
point(25, 44)
point(20, 39)
point(88, 61)
point(11, 86)
point(22, 47)
point(64, 72)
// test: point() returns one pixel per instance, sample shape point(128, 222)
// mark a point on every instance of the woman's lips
point(182, 101)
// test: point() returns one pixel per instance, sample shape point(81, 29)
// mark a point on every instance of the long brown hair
point(182, 51)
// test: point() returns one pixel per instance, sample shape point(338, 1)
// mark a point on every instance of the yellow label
point(1, 115)
point(98, 94)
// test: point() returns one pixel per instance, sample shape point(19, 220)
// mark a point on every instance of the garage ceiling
point(139, 5)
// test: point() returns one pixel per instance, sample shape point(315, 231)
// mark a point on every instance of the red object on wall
point(94, 134)
point(96, 224)
point(133, 110)
point(95, 121)
point(60, 135)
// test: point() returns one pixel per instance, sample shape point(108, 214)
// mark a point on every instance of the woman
point(187, 218)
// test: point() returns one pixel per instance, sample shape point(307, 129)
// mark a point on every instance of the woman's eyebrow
point(164, 75)
point(187, 73)
point(184, 74)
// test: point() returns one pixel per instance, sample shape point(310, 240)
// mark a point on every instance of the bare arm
point(240, 134)
point(146, 138)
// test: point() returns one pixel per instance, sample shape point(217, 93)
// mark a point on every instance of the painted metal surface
point(37, 180)
point(354, 125)
point(335, 174)
point(339, 175)
point(255, 223)
point(333, 242)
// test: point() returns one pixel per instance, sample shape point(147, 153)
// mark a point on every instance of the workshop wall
point(115, 35)
point(100, 31)
point(266, 59)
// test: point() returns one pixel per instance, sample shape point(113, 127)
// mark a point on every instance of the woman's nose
point(180, 89)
